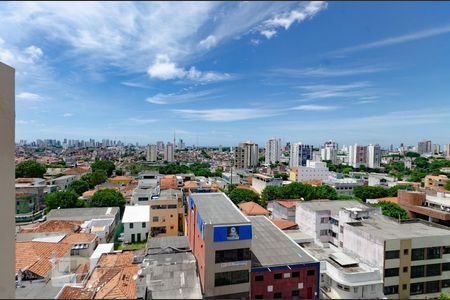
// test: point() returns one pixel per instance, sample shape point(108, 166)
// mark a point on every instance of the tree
point(30, 169)
point(106, 198)
point(106, 165)
point(239, 195)
point(284, 176)
point(119, 172)
point(64, 199)
point(96, 178)
point(447, 185)
point(444, 296)
point(393, 190)
point(412, 154)
point(325, 192)
point(393, 210)
point(79, 186)
point(365, 192)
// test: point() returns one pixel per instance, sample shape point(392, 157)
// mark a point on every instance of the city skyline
point(306, 72)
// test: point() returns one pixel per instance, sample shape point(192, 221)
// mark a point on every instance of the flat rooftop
point(217, 208)
point(38, 289)
point(272, 247)
point(136, 214)
point(385, 228)
point(157, 245)
point(332, 205)
point(83, 214)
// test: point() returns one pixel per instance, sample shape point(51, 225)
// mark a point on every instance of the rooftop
point(79, 238)
point(252, 209)
point(331, 205)
point(54, 226)
point(70, 292)
point(217, 208)
point(38, 289)
point(272, 247)
point(284, 224)
point(136, 213)
point(83, 214)
point(157, 245)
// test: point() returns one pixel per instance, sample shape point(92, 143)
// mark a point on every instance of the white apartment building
point(373, 156)
point(169, 153)
point(260, 181)
point(343, 186)
point(63, 182)
point(314, 170)
point(273, 151)
point(328, 153)
point(152, 152)
point(357, 155)
point(246, 155)
point(376, 179)
point(299, 154)
point(135, 222)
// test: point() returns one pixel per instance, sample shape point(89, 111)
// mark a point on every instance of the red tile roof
point(168, 183)
point(79, 238)
point(253, 209)
point(284, 224)
point(70, 292)
point(288, 203)
point(55, 226)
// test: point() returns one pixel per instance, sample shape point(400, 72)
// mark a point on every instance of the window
point(433, 253)
point(295, 293)
point(296, 274)
point(392, 254)
point(155, 219)
point(391, 290)
point(405, 251)
point(259, 278)
point(323, 232)
point(445, 283)
point(417, 271)
point(432, 287)
point(404, 286)
point(277, 276)
point(416, 288)
point(144, 224)
point(142, 198)
point(310, 273)
point(259, 297)
point(446, 266)
point(131, 225)
point(229, 278)
point(405, 269)
point(418, 254)
point(171, 227)
point(277, 295)
point(434, 270)
point(391, 272)
point(324, 220)
point(172, 206)
point(343, 287)
point(223, 256)
point(446, 250)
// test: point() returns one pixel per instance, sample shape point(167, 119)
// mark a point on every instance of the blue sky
point(369, 72)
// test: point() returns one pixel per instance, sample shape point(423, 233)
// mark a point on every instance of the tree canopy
point(284, 176)
point(239, 195)
point(365, 192)
point(79, 186)
point(106, 165)
point(107, 197)
point(392, 210)
point(64, 199)
point(30, 169)
point(95, 178)
point(447, 185)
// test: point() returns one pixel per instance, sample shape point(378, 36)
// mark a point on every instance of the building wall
point(166, 217)
point(137, 228)
point(307, 286)
point(7, 145)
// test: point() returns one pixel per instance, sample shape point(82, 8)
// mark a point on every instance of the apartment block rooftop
point(334, 206)
point(272, 247)
point(217, 208)
point(83, 214)
point(160, 245)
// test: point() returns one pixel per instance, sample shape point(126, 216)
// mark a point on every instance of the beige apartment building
point(167, 213)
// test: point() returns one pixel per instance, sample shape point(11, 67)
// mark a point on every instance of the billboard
point(232, 233)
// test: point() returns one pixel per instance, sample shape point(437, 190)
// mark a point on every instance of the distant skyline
point(224, 73)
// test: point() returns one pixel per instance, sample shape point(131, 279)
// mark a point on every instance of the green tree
point(106, 165)
point(393, 190)
point(365, 192)
point(107, 197)
point(64, 199)
point(96, 178)
point(393, 210)
point(447, 185)
point(325, 192)
point(119, 172)
point(284, 176)
point(271, 192)
point(239, 195)
point(444, 296)
point(30, 169)
point(412, 154)
point(79, 186)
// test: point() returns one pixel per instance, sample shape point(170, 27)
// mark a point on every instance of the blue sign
point(200, 224)
point(191, 202)
point(232, 233)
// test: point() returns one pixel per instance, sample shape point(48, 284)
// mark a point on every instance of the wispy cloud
point(176, 98)
point(329, 72)
point(396, 40)
point(29, 97)
point(225, 114)
point(323, 91)
point(68, 115)
point(142, 121)
point(312, 107)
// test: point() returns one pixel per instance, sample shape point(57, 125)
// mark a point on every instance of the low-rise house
point(380, 180)
point(85, 214)
point(435, 181)
point(135, 222)
point(260, 182)
point(122, 180)
point(63, 182)
point(343, 186)
point(253, 209)
point(83, 244)
point(167, 213)
point(282, 208)
point(284, 224)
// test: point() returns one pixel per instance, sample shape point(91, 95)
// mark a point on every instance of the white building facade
point(135, 222)
point(273, 151)
point(313, 170)
point(299, 154)
point(152, 152)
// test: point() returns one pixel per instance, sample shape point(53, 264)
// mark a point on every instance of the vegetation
point(30, 169)
point(119, 172)
point(447, 185)
point(284, 176)
point(205, 154)
point(423, 167)
point(239, 195)
point(79, 186)
point(64, 199)
point(393, 210)
point(297, 190)
point(348, 197)
point(95, 178)
point(131, 246)
point(365, 192)
point(105, 165)
point(444, 296)
point(106, 198)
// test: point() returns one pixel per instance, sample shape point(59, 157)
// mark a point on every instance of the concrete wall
point(7, 145)
point(137, 228)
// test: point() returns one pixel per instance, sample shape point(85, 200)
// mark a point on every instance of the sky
point(223, 73)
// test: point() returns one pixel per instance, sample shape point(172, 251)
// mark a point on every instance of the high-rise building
point(181, 144)
point(168, 152)
point(448, 150)
point(357, 155)
point(160, 145)
point(436, 149)
point(329, 151)
point(151, 152)
point(299, 154)
point(273, 150)
point(424, 147)
point(373, 156)
point(246, 155)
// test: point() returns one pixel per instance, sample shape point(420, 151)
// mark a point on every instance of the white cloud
point(15, 56)
point(67, 115)
point(176, 98)
point(208, 43)
point(351, 90)
point(30, 97)
point(397, 39)
point(255, 41)
point(142, 121)
point(268, 33)
point(225, 114)
point(312, 107)
point(329, 72)
point(21, 122)
point(163, 68)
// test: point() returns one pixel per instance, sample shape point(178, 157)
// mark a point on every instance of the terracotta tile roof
point(23, 194)
point(168, 183)
point(121, 178)
point(35, 256)
point(79, 238)
point(109, 260)
point(25, 180)
point(76, 171)
point(70, 292)
point(284, 224)
point(55, 226)
point(288, 203)
point(388, 199)
point(253, 209)
point(190, 184)
point(313, 182)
